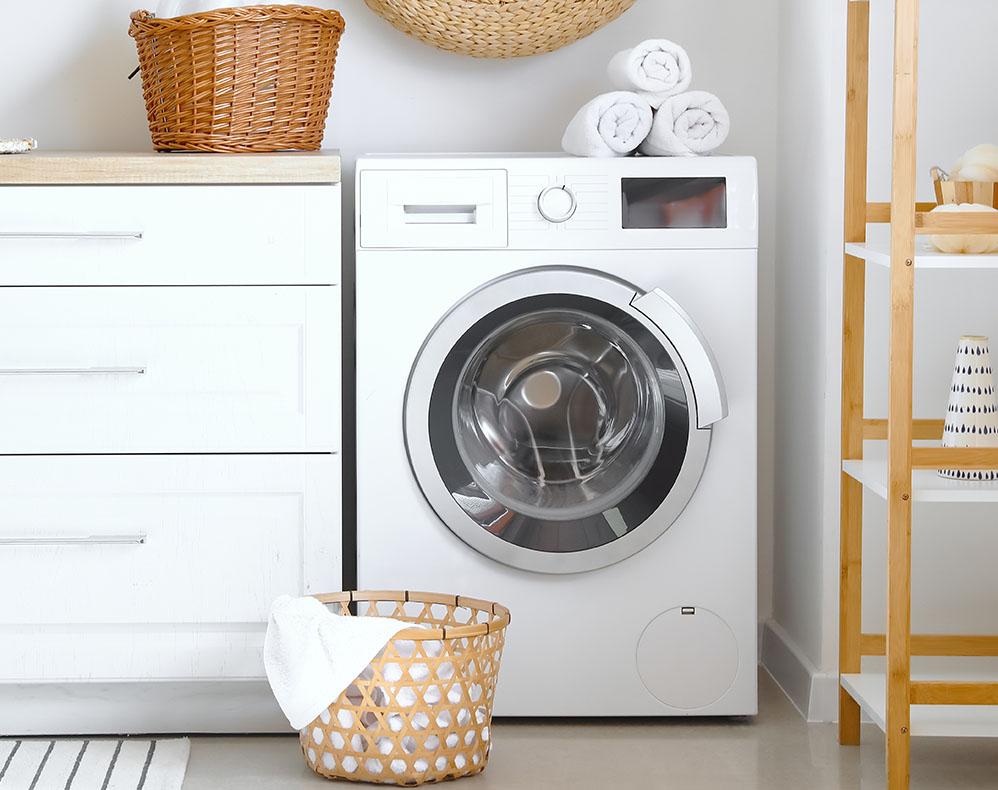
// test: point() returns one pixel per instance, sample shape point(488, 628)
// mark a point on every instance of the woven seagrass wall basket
point(499, 28)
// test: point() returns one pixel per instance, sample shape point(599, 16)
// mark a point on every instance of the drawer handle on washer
point(135, 235)
point(72, 371)
point(75, 540)
point(420, 214)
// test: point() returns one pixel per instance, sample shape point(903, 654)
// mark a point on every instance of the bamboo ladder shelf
point(956, 707)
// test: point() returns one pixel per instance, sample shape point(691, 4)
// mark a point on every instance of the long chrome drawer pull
point(75, 540)
point(138, 371)
point(135, 235)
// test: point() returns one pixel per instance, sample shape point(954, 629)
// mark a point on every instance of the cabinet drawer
point(169, 235)
point(164, 539)
point(168, 370)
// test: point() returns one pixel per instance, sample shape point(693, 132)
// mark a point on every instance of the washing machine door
point(558, 419)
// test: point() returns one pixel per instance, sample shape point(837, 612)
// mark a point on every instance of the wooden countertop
point(85, 167)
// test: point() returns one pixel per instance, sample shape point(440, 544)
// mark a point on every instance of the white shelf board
point(926, 256)
point(941, 721)
point(926, 485)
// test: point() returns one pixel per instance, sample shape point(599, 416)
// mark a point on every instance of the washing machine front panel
point(554, 426)
point(706, 562)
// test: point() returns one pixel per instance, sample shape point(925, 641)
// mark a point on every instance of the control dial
point(557, 204)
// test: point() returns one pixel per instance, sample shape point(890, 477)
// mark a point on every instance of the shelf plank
point(955, 457)
point(960, 645)
point(940, 721)
point(921, 429)
point(930, 222)
point(927, 486)
point(936, 692)
point(958, 222)
point(926, 256)
point(881, 212)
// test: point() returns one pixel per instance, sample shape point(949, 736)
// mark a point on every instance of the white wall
point(395, 94)
point(809, 207)
point(811, 136)
point(954, 590)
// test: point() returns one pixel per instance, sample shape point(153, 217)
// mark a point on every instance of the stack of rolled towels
point(652, 110)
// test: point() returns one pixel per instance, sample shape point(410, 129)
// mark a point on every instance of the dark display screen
point(674, 203)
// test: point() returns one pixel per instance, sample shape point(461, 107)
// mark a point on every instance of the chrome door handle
point(75, 540)
point(135, 235)
point(99, 371)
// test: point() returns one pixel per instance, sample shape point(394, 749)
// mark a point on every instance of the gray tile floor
point(776, 751)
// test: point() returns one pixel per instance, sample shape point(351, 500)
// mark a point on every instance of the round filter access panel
point(687, 657)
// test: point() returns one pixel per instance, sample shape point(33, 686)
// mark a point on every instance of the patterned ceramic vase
point(972, 412)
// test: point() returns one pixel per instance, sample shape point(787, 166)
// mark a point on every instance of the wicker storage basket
point(949, 191)
point(499, 28)
point(422, 710)
point(249, 79)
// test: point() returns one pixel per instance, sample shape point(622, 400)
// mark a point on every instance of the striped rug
point(98, 764)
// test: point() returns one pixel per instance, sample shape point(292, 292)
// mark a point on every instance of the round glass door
point(553, 430)
point(558, 414)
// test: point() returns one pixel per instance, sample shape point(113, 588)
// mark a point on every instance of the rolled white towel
point(612, 124)
point(689, 124)
point(655, 69)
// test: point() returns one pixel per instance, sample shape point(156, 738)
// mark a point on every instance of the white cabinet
point(170, 383)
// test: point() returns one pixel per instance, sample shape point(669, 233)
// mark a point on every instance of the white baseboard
point(824, 707)
point(126, 708)
point(813, 693)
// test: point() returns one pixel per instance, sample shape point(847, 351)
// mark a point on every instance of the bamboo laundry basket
point(499, 28)
point(422, 710)
point(252, 79)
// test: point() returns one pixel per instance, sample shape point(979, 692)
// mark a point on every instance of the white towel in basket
point(312, 655)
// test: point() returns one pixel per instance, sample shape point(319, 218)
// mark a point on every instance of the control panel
point(547, 202)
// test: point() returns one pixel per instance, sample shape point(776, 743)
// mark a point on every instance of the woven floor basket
point(499, 28)
point(250, 79)
point(422, 710)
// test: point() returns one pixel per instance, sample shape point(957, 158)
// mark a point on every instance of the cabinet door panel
point(170, 235)
point(169, 370)
point(91, 540)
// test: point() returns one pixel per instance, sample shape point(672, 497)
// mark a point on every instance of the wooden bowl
point(949, 191)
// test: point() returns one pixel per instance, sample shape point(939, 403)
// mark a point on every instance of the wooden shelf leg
point(850, 605)
point(899, 431)
point(853, 347)
point(851, 503)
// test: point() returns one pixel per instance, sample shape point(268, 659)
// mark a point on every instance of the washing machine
point(556, 410)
